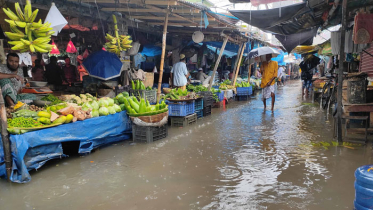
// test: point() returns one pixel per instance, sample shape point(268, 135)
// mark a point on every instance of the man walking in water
point(268, 70)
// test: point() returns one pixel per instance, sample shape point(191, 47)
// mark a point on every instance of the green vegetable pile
point(52, 99)
point(201, 88)
point(139, 85)
point(22, 122)
point(178, 94)
point(26, 114)
point(243, 84)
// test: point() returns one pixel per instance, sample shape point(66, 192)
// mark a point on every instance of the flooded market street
point(241, 157)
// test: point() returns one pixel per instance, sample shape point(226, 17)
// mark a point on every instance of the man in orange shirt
point(268, 70)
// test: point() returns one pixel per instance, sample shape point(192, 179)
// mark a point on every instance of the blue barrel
point(364, 188)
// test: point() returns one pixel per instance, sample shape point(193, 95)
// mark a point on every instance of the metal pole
point(162, 57)
point(5, 137)
point(217, 62)
point(238, 64)
point(235, 63)
point(340, 73)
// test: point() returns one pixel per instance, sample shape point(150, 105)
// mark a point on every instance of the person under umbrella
point(268, 70)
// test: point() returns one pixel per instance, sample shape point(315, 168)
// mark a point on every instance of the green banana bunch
point(36, 35)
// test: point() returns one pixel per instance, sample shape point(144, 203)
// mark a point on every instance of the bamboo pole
point(340, 73)
point(236, 61)
point(238, 65)
point(162, 58)
point(217, 62)
point(5, 137)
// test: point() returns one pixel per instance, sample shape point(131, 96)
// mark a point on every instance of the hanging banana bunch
point(119, 42)
point(34, 37)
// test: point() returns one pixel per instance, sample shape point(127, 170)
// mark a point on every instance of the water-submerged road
point(241, 157)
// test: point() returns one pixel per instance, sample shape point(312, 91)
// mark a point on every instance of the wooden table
point(367, 107)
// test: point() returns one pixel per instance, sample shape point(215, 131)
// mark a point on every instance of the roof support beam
point(161, 18)
point(144, 10)
point(147, 2)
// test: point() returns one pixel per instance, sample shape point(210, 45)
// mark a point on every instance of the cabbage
point(95, 105)
point(86, 106)
point(103, 111)
point(111, 110)
point(103, 103)
point(111, 101)
point(117, 108)
point(95, 113)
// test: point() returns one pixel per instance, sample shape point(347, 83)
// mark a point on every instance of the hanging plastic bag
point(71, 47)
point(56, 19)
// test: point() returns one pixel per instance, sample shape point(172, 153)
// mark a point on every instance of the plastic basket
point(220, 96)
point(181, 109)
point(151, 95)
point(198, 104)
point(215, 87)
point(199, 113)
point(207, 110)
point(148, 134)
point(243, 91)
point(121, 90)
point(183, 121)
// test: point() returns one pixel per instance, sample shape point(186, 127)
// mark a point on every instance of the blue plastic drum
point(364, 188)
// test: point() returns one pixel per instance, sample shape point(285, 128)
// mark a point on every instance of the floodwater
point(241, 157)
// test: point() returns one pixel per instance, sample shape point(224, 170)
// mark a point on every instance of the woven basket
point(153, 118)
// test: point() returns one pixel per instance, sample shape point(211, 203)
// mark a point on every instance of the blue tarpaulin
point(280, 58)
point(32, 150)
point(151, 50)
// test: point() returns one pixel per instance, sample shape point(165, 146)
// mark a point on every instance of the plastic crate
point(150, 95)
point(121, 89)
point(243, 91)
point(198, 104)
point(242, 98)
point(208, 100)
point(199, 113)
point(250, 90)
point(181, 109)
point(220, 96)
point(215, 87)
point(207, 111)
point(183, 121)
point(148, 134)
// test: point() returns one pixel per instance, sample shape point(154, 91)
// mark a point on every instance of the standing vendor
point(268, 69)
point(11, 81)
point(179, 73)
point(71, 73)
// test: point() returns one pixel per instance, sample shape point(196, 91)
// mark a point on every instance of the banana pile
point(118, 43)
point(35, 36)
point(115, 46)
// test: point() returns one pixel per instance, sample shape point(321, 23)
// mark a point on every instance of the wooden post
point(238, 65)
point(5, 137)
point(218, 61)
point(162, 58)
point(340, 73)
point(236, 61)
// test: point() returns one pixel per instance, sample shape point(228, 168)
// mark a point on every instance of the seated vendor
point(11, 82)
point(202, 77)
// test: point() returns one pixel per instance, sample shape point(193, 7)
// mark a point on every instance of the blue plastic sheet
point(151, 50)
point(32, 150)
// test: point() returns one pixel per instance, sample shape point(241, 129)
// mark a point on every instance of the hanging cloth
point(70, 47)
point(363, 30)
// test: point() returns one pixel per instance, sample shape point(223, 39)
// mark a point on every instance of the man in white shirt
point(280, 74)
point(179, 74)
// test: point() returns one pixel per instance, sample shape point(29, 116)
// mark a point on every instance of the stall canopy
point(103, 65)
point(151, 50)
point(286, 20)
point(293, 40)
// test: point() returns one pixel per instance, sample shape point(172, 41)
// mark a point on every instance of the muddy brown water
point(241, 157)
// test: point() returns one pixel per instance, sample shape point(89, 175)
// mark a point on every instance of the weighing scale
point(37, 90)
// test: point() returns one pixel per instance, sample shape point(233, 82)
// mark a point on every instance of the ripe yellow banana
point(10, 14)
point(27, 15)
point(33, 15)
point(40, 49)
point(14, 42)
point(14, 29)
point(32, 48)
point(17, 23)
point(25, 42)
point(18, 46)
point(41, 40)
point(19, 12)
point(14, 36)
